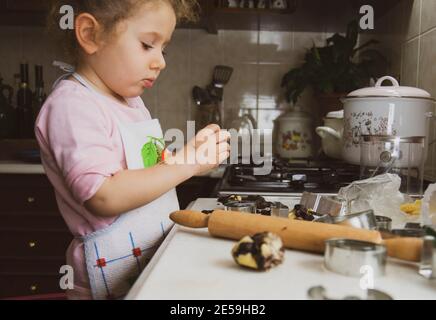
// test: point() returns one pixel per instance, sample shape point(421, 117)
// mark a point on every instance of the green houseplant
point(335, 69)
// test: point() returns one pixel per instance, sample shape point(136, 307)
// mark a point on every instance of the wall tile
point(172, 117)
point(10, 52)
point(175, 87)
point(412, 16)
point(275, 46)
point(241, 91)
point(270, 78)
point(409, 75)
point(397, 20)
point(150, 100)
point(239, 46)
point(427, 71)
point(428, 15)
point(266, 118)
point(206, 53)
point(303, 41)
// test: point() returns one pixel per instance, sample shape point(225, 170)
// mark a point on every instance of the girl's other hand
point(205, 152)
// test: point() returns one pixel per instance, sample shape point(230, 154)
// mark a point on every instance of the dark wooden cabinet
point(300, 15)
point(23, 12)
point(215, 16)
point(26, 5)
point(33, 237)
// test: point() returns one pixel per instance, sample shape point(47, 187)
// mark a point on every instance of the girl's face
point(132, 60)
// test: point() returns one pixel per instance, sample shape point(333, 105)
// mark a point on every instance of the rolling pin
point(295, 234)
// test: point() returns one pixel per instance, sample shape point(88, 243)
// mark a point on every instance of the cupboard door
point(27, 5)
point(29, 285)
point(31, 266)
point(31, 221)
point(21, 243)
point(27, 199)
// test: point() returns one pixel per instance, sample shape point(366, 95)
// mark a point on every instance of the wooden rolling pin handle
point(299, 235)
point(408, 249)
point(190, 219)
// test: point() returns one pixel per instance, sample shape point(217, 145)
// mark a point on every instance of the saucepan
point(394, 111)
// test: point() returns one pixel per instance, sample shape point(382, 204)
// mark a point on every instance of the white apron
point(116, 255)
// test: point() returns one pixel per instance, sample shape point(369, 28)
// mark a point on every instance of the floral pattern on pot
point(364, 123)
point(294, 140)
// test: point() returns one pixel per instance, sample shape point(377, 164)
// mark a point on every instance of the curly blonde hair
point(109, 13)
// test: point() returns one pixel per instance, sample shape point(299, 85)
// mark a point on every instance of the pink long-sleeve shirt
point(80, 147)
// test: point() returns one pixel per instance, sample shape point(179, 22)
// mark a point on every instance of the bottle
point(39, 95)
point(24, 105)
point(6, 111)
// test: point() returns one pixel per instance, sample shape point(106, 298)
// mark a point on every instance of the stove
point(289, 178)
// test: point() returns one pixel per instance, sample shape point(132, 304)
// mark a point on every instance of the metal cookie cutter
point(320, 293)
point(428, 259)
point(383, 223)
point(246, 207)
point(354, 258)
point(278, 209)
point(360, 220)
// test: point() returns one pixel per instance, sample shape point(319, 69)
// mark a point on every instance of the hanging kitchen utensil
point(221, 77)
point(201, 96)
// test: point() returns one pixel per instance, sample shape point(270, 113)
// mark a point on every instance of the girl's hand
point(205, 152)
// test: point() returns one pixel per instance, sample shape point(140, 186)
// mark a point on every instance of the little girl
point(103, 153)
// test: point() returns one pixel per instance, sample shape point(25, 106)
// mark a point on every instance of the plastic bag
point(429, 206)
point(381, 194)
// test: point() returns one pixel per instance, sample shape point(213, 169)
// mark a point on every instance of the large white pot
point(384, 111)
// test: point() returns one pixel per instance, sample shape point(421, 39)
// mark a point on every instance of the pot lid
point(335, 115)
point(295, 114)
point(395, 90)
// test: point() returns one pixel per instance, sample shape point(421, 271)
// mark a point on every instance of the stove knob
point(299, 178)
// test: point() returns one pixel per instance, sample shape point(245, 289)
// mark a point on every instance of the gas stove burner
point(311, 185)
point(288, 177)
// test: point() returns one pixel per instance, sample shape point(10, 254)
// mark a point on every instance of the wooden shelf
point(253, 10)
point(307, 15)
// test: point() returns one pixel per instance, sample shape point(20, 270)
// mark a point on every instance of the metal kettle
point(245, 125)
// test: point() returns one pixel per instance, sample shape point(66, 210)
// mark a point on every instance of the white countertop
point(15, 167)
point(20, 168)
point(191, 265)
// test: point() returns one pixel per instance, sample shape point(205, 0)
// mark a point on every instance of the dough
point(261, 252)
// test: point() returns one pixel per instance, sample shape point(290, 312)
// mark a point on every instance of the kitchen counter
point(191, 265)
point(16, 167)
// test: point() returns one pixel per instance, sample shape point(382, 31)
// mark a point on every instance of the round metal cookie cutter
point(384, 223)
point(355, 258)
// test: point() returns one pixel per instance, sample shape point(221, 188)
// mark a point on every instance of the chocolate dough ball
point(261, 252)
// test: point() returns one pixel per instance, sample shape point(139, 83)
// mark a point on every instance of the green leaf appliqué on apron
point(152, 152)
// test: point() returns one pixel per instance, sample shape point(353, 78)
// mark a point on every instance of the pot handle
point(323, 132)
point(383, 79)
